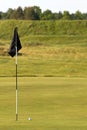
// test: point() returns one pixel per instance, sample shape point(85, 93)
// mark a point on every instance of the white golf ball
point(29, 118)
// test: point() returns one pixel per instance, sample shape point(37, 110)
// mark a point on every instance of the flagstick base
point(16, 117)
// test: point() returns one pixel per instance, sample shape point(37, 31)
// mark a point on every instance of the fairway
point(53, 103)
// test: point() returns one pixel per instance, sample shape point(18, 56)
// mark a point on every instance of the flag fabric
point(15, 43)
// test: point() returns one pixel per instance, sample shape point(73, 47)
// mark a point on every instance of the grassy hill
point(50, 48)
point(45, 32)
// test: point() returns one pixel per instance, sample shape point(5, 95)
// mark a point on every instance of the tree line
point(35, 13)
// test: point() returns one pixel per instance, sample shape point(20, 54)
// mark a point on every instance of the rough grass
point(48, 61)
point(26, 28)
point(53, 103)
point(50, 48)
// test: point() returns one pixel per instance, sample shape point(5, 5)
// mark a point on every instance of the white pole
point(16, 89)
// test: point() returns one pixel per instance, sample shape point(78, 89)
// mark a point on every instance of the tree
point(17, 13)
point(0, 15)
point(58, 15)
point(4, 15)
point(78, 15)
point(37, 12)
point(84, 16)
point(9, 13)
point(47, 15)
point(73, 16)
point(66, 15)
point(29, 13)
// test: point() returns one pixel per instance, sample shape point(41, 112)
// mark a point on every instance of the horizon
point(54, 6)
point(44, 10)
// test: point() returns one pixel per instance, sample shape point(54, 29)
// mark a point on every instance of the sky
point(54, 5)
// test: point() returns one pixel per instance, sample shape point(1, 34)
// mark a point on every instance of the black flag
point(15, 43)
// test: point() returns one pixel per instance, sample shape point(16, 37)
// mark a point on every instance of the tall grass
point(27, 27)
point(47, 61)
point(50, 48)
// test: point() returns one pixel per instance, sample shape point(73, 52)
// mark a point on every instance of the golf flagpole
point(15, 46)
point(16, 87)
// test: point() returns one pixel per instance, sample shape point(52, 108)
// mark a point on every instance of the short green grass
point(53, 103)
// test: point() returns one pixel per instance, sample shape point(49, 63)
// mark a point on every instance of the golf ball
point(29, 118)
